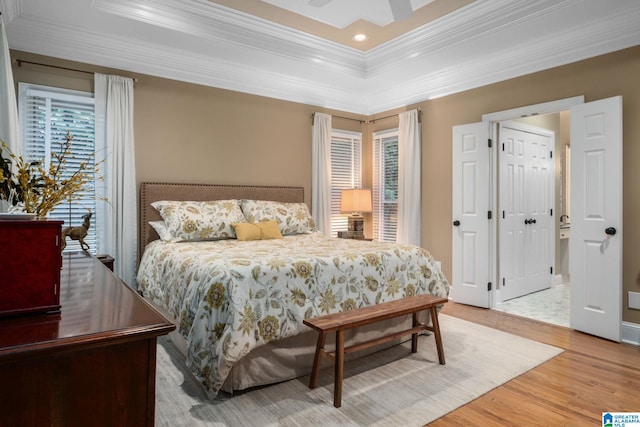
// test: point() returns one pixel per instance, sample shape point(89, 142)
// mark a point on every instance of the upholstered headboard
point(153, 191)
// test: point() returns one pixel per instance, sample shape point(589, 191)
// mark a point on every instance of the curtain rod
point(382, 118)
point(22, 61)
point(372, 120)
point(342, 117)
point(396, 115)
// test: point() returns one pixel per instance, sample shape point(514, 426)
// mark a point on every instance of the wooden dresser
point(30, 267)
point(94, 363)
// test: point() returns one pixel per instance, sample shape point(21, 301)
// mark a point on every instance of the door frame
point(492, 121)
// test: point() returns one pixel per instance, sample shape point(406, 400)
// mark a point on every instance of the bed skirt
point(292, 357)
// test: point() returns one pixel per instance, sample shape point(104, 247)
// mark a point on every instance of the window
point(385, 185)
point(346, 172)
point(45, 116)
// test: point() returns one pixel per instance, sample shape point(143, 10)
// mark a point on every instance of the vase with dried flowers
point(31, 274)
point(35, 188)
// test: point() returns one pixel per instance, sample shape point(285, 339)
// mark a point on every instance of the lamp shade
point(355, 200)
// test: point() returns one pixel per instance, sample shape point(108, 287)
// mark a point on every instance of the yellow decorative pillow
point(257, 230)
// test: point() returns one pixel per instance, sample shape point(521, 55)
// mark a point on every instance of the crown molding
point(202, 42)
point(476, 21)
point(563, 47)
point(71, 43)
point(220, 24)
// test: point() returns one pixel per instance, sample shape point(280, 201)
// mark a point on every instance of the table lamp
point(355, 202)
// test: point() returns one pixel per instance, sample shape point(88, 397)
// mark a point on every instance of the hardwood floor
point(591, 376)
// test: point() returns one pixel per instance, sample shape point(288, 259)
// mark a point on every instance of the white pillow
point(163, 232)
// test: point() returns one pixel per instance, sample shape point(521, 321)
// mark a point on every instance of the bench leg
point(414, 337)
point(313, 381)
point(339, 369)
point(436, 333)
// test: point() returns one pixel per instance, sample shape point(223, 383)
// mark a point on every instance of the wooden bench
point(340, 322)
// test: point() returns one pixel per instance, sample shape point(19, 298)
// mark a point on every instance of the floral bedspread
point(229, 297)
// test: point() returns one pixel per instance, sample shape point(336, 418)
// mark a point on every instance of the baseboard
point(631, 333)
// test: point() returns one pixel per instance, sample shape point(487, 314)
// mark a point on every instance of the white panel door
point(526, 180)
point(470, 231)
point(595, 247)
point(513, 214)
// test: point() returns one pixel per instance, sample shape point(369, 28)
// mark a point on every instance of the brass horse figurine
point(78, 233)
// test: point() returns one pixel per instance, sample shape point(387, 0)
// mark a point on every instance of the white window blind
point(346, 172)
point(46, 114)
point(385, 185)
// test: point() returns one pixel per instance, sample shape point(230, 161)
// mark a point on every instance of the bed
point(240, 274)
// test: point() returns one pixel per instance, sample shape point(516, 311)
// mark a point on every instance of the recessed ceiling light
point(360, 37)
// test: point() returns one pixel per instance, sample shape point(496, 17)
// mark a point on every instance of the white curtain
point(9, 128)
point(117, 234)
point(409, 179)
point(321, 172)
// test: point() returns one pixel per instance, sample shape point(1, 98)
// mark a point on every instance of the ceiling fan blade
point(318, 3)
point(401, 9)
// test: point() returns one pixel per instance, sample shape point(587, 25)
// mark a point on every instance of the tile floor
point(550, 305)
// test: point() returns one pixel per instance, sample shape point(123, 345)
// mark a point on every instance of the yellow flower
point(410, 290)
point(393, 286)
point(247, 320)
point(371, 283)
point(303, 269)
point(218, 329)
point(215, 295)
point(328, 301)
point(372, 259)
point(269, 327)
point(40, 188)
point(426, 271)
point(298, 297)
point(349, 304)
point(189, 226)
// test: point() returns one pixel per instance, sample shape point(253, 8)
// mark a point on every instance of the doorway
point(533, 269)
point(596, 239)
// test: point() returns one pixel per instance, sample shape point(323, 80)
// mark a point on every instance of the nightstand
point(107, 260)
point(347, 235)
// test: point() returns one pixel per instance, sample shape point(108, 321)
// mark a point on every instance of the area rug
point(392, 387)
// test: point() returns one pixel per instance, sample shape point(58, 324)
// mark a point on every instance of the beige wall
point(597, 78)
point(191, 133)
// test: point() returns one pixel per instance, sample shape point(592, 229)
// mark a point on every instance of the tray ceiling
point(278, 53)
point(340, 20)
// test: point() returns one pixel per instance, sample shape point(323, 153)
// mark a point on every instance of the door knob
point(527, 222)
point(532, 221)
point(456, 223)
point(610, 231)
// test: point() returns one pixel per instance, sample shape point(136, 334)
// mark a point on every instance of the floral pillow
point(200, 220)
point(292, 218)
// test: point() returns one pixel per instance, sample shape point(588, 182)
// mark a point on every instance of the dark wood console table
point(94, 363)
